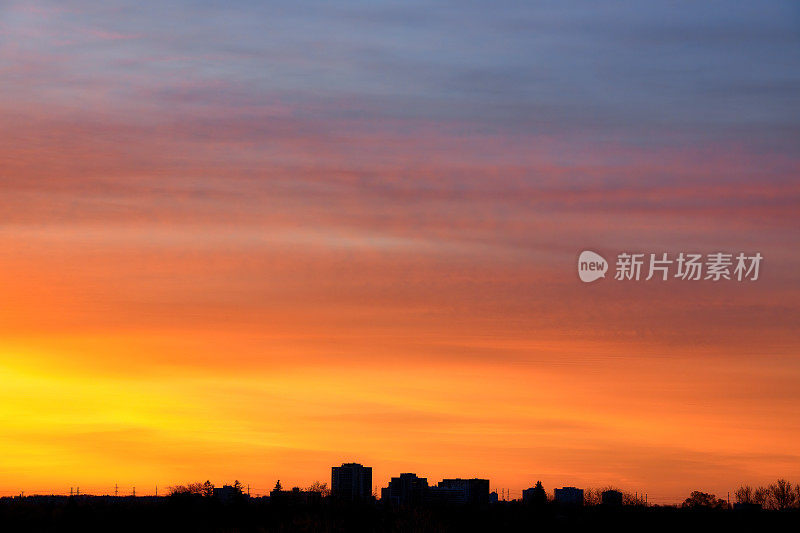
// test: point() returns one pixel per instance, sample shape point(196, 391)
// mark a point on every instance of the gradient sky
point(253, 241)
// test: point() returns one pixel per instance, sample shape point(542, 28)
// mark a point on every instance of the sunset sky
point(246, 240)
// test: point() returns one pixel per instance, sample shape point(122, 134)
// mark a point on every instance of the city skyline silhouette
point(346, 484)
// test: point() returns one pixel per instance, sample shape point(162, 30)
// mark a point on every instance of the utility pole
point(134, 492)
point(116, 489)
point(156, 490)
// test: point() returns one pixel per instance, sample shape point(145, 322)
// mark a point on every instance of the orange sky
point(205, 276)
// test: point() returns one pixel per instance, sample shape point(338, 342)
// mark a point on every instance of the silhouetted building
point(406, 490)
point(569, 496)
point(351, 481)
point(461, 491)
point(227, 493)
point(611, 498)
point(535, 495)
point(294, 497)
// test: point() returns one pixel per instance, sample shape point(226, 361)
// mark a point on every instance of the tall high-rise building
point(351, 481)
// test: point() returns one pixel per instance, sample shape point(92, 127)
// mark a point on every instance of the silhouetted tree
point(320, 487)
point(539, 494)
point(760, 496)
point(745, 494)
point(633, 498)
point(592, 496)
point(781, 495)
point(208, 489)
point(278, 485)
point(703, 500)
point(189, 488)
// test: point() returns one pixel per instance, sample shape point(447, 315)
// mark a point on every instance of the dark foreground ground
point(200, 515)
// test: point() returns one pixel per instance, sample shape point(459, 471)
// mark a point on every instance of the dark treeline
point(194, 507)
